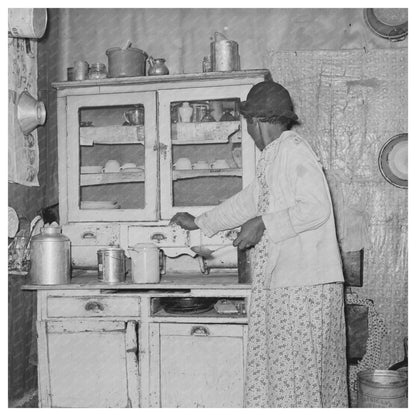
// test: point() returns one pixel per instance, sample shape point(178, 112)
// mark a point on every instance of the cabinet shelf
point(234, 139)
point(199, 173)
point(211, 132)
point(88, 179)
point(111, 135)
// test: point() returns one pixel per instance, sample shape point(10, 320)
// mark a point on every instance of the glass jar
point(97, 71)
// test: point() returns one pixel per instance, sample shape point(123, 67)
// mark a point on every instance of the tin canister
point(113, 264)
point(80, 70)
point(224, 56)
point(382, 388)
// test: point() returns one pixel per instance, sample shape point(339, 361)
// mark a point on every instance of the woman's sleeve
point(232, 213)
point(312, 206)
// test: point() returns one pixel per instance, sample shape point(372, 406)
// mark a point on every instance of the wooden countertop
point(89, 281)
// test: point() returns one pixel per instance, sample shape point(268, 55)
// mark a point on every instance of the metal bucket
point(382, 388)
point(224, 56)
point(130, 62)
point(27, 23)
point(113, 264)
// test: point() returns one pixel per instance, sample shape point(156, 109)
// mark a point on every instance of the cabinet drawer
point(92, 306)
point(197, 329)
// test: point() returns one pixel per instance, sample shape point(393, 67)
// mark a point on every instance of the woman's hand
point(184, 220)
point(250, 234)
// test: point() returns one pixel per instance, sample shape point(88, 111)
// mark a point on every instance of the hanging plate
point(387, 26)
point(13, 223)
point(392, 160)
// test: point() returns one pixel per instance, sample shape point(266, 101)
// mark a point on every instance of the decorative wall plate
point(392, 160)
point(387, 23)
point(13, 223)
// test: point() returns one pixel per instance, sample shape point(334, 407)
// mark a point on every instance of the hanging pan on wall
point(392, 160)
point(385, 23)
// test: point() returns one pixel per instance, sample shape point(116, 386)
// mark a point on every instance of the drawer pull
point(94, 306)
point(88, 235)
point(158, 237)
point(200, 331)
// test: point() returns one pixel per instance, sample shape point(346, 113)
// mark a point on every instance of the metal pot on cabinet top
point(128, 62)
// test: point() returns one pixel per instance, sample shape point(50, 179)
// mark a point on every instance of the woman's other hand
point(250, 234)
point(184, 220)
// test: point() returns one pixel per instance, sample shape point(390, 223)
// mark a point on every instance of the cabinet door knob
point(199, 331)
point(94, 306)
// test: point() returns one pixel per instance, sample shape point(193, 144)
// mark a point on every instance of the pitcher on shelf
point(157, 66)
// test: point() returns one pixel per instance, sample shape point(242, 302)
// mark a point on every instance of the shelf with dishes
point(104, 178)
point(111, 135)
point(198, 173)
point(206, 132)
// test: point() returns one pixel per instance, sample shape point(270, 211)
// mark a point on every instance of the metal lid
point(51, 229)
point(117, 48)
point(110, 248)
point(144, 246)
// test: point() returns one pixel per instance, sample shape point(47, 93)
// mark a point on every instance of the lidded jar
point(97, 71)
point(50, 257)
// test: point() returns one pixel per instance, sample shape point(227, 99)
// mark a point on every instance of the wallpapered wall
point(22, 74)
point(346, 117)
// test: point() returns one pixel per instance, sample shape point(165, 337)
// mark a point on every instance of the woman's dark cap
point(268, 99)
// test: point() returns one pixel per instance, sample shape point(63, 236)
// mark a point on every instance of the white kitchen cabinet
point(90, 363)
point(200, 365)
point(92, 130)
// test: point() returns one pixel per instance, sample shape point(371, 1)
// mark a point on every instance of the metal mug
point(113, 265)
point(80, 70)
point(134, 116)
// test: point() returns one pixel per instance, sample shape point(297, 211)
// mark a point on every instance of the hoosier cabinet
point(132, 153)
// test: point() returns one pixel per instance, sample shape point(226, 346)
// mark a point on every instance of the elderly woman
point(296, 342)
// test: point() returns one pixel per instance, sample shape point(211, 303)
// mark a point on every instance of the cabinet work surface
point(89, 281)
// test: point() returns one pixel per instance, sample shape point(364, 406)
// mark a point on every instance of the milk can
point(50, 257)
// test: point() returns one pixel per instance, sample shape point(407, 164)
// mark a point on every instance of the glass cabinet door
point(112, 157)
point(206, 153)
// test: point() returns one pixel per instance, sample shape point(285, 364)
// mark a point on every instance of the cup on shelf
point(134, 116)
point(112, 166)
point(220, 164)
point(183, 163)
point(199, 111)
point(201, 164)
